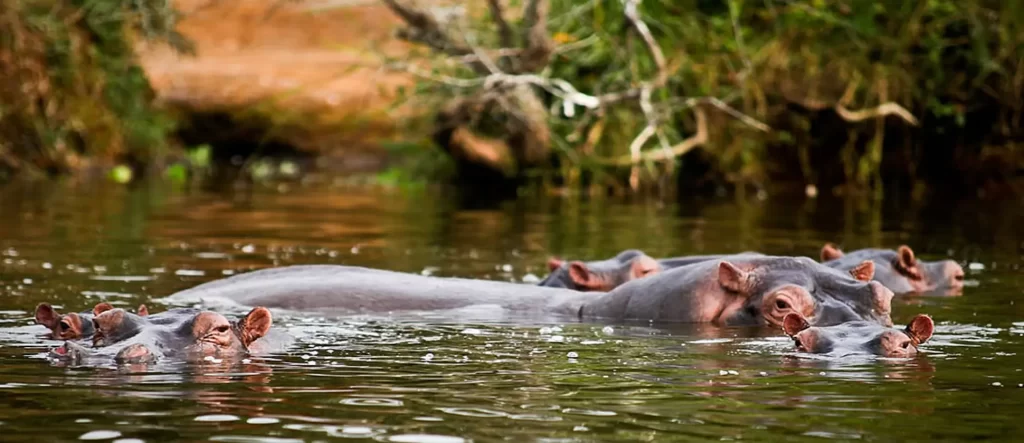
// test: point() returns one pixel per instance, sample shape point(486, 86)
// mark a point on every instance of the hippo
point(743, 291)
point(73, 325)
point(605, 275)
point(600, 275)
point(194, 334)
point(859, 337)
point(900, 270)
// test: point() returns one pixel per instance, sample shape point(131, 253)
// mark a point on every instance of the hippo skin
point(900, 270)
point(605, 275)
point(859, 337)
point(185, 332)
point(741, 291)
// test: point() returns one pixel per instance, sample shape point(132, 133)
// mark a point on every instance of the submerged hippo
point(744, 291)
point(600, 275)
point(193, 334)
point(859, 337)
point(605, 275)
point(900, 270)
point(73, 325)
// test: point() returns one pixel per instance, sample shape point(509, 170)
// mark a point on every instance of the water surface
point(428, 379)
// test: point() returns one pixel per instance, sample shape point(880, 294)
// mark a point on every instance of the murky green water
point(423, 380)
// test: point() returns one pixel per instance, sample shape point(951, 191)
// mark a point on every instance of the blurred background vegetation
point(794, 95)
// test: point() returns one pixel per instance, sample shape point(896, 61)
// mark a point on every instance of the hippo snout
point(953, 273)
point(881, 302)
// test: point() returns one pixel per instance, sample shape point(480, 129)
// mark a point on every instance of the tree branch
point(698, 139)
point(633, 15)
point(885, 109)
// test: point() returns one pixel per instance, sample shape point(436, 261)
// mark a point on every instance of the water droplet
point(975, 266)
point(83, 420)
point(731, 372)
point(246, 361)
point(47, 266)
point(27, 281)
point(580, 428)
point(723, 372)
point(428, 357)
point(545, 330)
point(763, 374)
point(248, 249)
point(99, 435)
point(822, 373)
point(995, 383)
point(472, 331)
point(572, 355)
point(556, 339)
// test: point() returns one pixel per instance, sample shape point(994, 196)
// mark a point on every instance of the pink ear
point(254, 325)
point(583, 277)
point(143, 311)
point(46, 315)
point(554, 263)
point(906, 256)
point(793, 324)
point(921, 328)
point(830, 252)
point(732, 278)
point(101, 308)
point(865, 271)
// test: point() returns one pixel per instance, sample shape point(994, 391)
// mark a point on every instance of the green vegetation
point(936, 85)
point(73, 93)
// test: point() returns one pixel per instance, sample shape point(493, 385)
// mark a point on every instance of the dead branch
point(645, 33)
point(697, 139)
point(885, 109)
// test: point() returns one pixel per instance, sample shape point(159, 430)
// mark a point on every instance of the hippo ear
point(830, 252)
point(732, 278)
point(907, 258)
point(794, 323)
point(865, 271)
point(101, 308)
point(254, 325)
point(583, 277)
point(643, 266)
point(142, 311)
point(554, 263)
point(47, 316)
point(921, 328)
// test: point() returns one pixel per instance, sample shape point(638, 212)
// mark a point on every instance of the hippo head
point(859, 337)
point(777, 286)
point(115, 325)
point(211, 334)
point(68, 326)
point(603, 275)
point(907, 271)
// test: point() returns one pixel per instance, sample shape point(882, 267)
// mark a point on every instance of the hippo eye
point(781, 304)
point(64, 326)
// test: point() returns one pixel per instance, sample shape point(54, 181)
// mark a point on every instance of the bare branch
point(698, 139)
point(633, 15)
point(885, 109)
point(536, 42)
point(423, 28)
point(504, 30)
point(444, 79)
